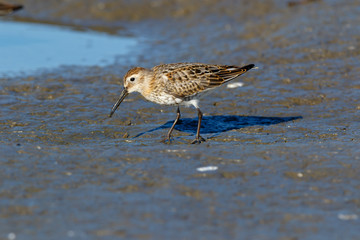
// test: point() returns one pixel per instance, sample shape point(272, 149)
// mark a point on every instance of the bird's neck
point(147, 83)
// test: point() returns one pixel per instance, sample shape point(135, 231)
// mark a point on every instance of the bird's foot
point(167, 140)
point(198, 140)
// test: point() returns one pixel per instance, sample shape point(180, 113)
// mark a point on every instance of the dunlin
point(6, 8)
point(178, 84)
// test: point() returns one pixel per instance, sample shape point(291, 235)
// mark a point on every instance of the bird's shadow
point(218, 124)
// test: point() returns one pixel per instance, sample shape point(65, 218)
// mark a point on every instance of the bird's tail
point(247, 68)
point(231, 72)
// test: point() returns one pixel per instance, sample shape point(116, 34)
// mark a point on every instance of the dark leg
point(172, 127)
point(198, 138)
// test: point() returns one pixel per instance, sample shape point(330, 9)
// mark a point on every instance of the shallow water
point(286, 144)
point(33, 46)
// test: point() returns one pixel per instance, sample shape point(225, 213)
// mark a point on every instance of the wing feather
point(188, 79)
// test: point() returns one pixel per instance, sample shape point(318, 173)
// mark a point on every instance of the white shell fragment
point(207, 168)
point(347, 217)
point(235, 85)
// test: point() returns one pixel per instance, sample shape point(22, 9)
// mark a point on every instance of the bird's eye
point(132, 79)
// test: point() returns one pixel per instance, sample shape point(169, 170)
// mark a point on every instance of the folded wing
point(188, 79)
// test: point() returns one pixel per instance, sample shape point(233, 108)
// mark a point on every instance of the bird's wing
point(187, 79)
point(173, 66)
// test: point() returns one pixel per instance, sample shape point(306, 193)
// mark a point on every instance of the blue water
point(27, 47)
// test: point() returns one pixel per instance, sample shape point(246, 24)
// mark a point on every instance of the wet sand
point(286, 144)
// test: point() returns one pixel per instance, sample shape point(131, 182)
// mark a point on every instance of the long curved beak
point(123, 95)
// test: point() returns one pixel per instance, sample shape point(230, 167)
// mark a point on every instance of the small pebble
point(11, 236)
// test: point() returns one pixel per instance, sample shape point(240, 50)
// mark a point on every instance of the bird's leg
point(198, 138)
point(172, 127)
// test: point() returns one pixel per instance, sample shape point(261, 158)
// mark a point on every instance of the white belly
point(165, 99)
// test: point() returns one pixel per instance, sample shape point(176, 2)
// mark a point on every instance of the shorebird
point(178, 84)
point(6, 8)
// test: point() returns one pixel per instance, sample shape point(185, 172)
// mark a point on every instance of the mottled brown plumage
point(6, 8)
point(178, 84)
point(187, 79)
